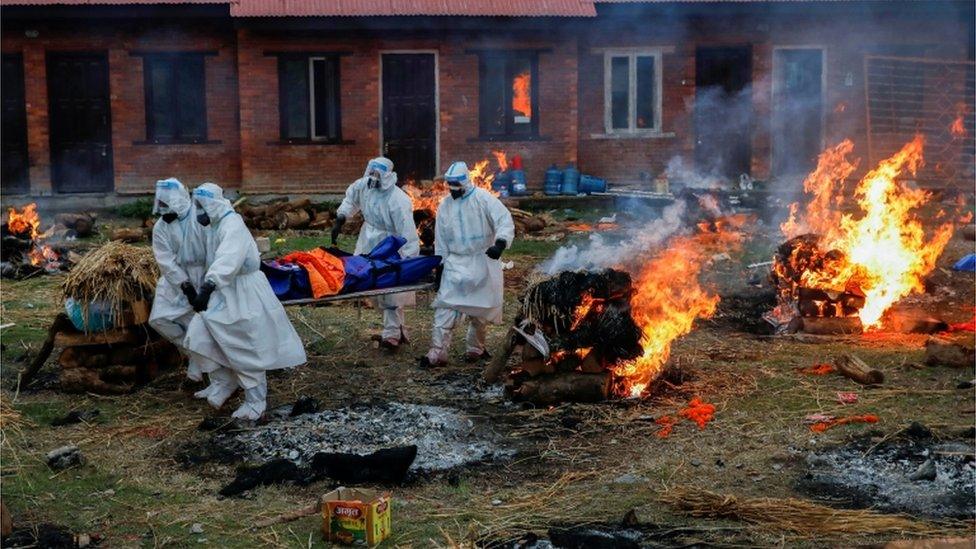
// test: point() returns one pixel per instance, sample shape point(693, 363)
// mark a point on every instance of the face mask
point(457, 193)
point(203, 219)
point(170, 217)
point(373, 182)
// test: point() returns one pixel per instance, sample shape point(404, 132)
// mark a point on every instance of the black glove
point(438, 272)
point(203, 298)
point(337, 228)
point(496, 251)
point(189, 291)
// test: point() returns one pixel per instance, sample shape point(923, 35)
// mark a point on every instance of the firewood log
point(61, 323)
point(92, 357)
point(81, 223)
point(940, 351)
point(300, 204)
point(564, 387)
point(856, 369)
point(126, 234)
point(296, 219)
point(83, 380)
point(322, 220)
point(969, 232)
point(494, 369)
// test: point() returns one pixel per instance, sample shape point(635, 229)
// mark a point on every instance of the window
point(509, 100)
point(176, 106)
point(632, 92)
point(309, 95)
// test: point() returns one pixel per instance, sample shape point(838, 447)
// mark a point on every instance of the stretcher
point(316, 302)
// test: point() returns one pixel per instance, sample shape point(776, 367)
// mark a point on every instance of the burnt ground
point(570, 465)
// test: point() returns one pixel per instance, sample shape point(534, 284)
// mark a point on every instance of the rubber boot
point(255, 402)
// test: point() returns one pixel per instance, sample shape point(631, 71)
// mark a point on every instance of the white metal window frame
point(632, 54)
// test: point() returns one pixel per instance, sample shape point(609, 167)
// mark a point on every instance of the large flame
point(522, 94)
point(429, 197)
point(882, 250)
point(666, 301)
point(958, 127)
point(25, 222)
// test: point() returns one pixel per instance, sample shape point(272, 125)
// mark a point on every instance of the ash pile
point(571, 331)
point(917, 474)
point(445, 438)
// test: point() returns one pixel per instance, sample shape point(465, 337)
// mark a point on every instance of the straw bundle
point(790, 515)
point(117, 273)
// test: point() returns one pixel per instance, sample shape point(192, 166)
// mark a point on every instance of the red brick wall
point(846, 39)
point(136, 166)
point(269, 165)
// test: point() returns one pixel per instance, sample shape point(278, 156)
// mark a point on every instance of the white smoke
point(599, 253)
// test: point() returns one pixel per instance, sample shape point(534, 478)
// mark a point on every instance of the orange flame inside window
point(522, 95)
point(883, 248)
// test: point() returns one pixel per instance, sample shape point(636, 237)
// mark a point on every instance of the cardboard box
point(356, 516)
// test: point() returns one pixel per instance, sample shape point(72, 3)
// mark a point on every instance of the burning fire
point(667, 299)
point(882, 252)
point(521, 94)
point(429, 197)
point(584, 308)
point(958, 127)
point(26, 223)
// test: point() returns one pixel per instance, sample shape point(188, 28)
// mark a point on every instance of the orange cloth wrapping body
point(325, 271)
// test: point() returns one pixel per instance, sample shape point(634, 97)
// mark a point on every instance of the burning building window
point(508, 98)
point(176, 106)
point(632, 88)
point(309, 98)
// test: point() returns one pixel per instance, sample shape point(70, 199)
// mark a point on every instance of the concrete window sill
point(633, 135)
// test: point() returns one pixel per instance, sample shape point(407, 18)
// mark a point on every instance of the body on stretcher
point(328, 275)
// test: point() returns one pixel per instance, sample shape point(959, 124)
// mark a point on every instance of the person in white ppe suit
point(240, 325)
point(387, 210)
point(473, 229)
point(178, 244)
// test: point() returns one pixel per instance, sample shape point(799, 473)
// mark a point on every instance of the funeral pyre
point(588, 335)
point(846, 262)
point(27, 250)
point(107, 344)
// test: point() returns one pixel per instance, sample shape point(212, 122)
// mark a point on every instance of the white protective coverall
point(387, 210)
point(182, 257)
point(244, 329)
point(471, 283)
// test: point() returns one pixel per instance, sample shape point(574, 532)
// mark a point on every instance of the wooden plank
point(313, 302)
point(110, 337)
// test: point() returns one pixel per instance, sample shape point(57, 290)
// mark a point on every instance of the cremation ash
point(602, 252)
point(445, 437)
point(919, 477)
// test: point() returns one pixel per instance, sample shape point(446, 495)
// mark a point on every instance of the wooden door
point(13, 163)
point(797, 110)
point(409, 114)
point(723, 111)
point(81, 133)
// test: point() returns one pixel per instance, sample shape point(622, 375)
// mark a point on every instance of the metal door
point(723, 110)
point(13, 163)
point(797, 110)
point(81, 133)
point(409, 114)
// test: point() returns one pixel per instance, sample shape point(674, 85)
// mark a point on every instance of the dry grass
point(116, 273)
point(791, 515)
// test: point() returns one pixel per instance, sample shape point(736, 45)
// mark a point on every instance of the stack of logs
point(586, 321)
point(110, 362)
point(291, 214)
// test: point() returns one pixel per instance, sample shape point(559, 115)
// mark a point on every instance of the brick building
point(106, 96)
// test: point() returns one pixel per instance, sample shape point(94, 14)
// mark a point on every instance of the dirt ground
point(574, 463)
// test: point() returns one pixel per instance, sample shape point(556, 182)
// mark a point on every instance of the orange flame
point(884, 251)
point(25, 222)
point(958, 127)
point(666, 301)
point(429, 197)
point(502, 159)
point(521, 94)
point(583, 309)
